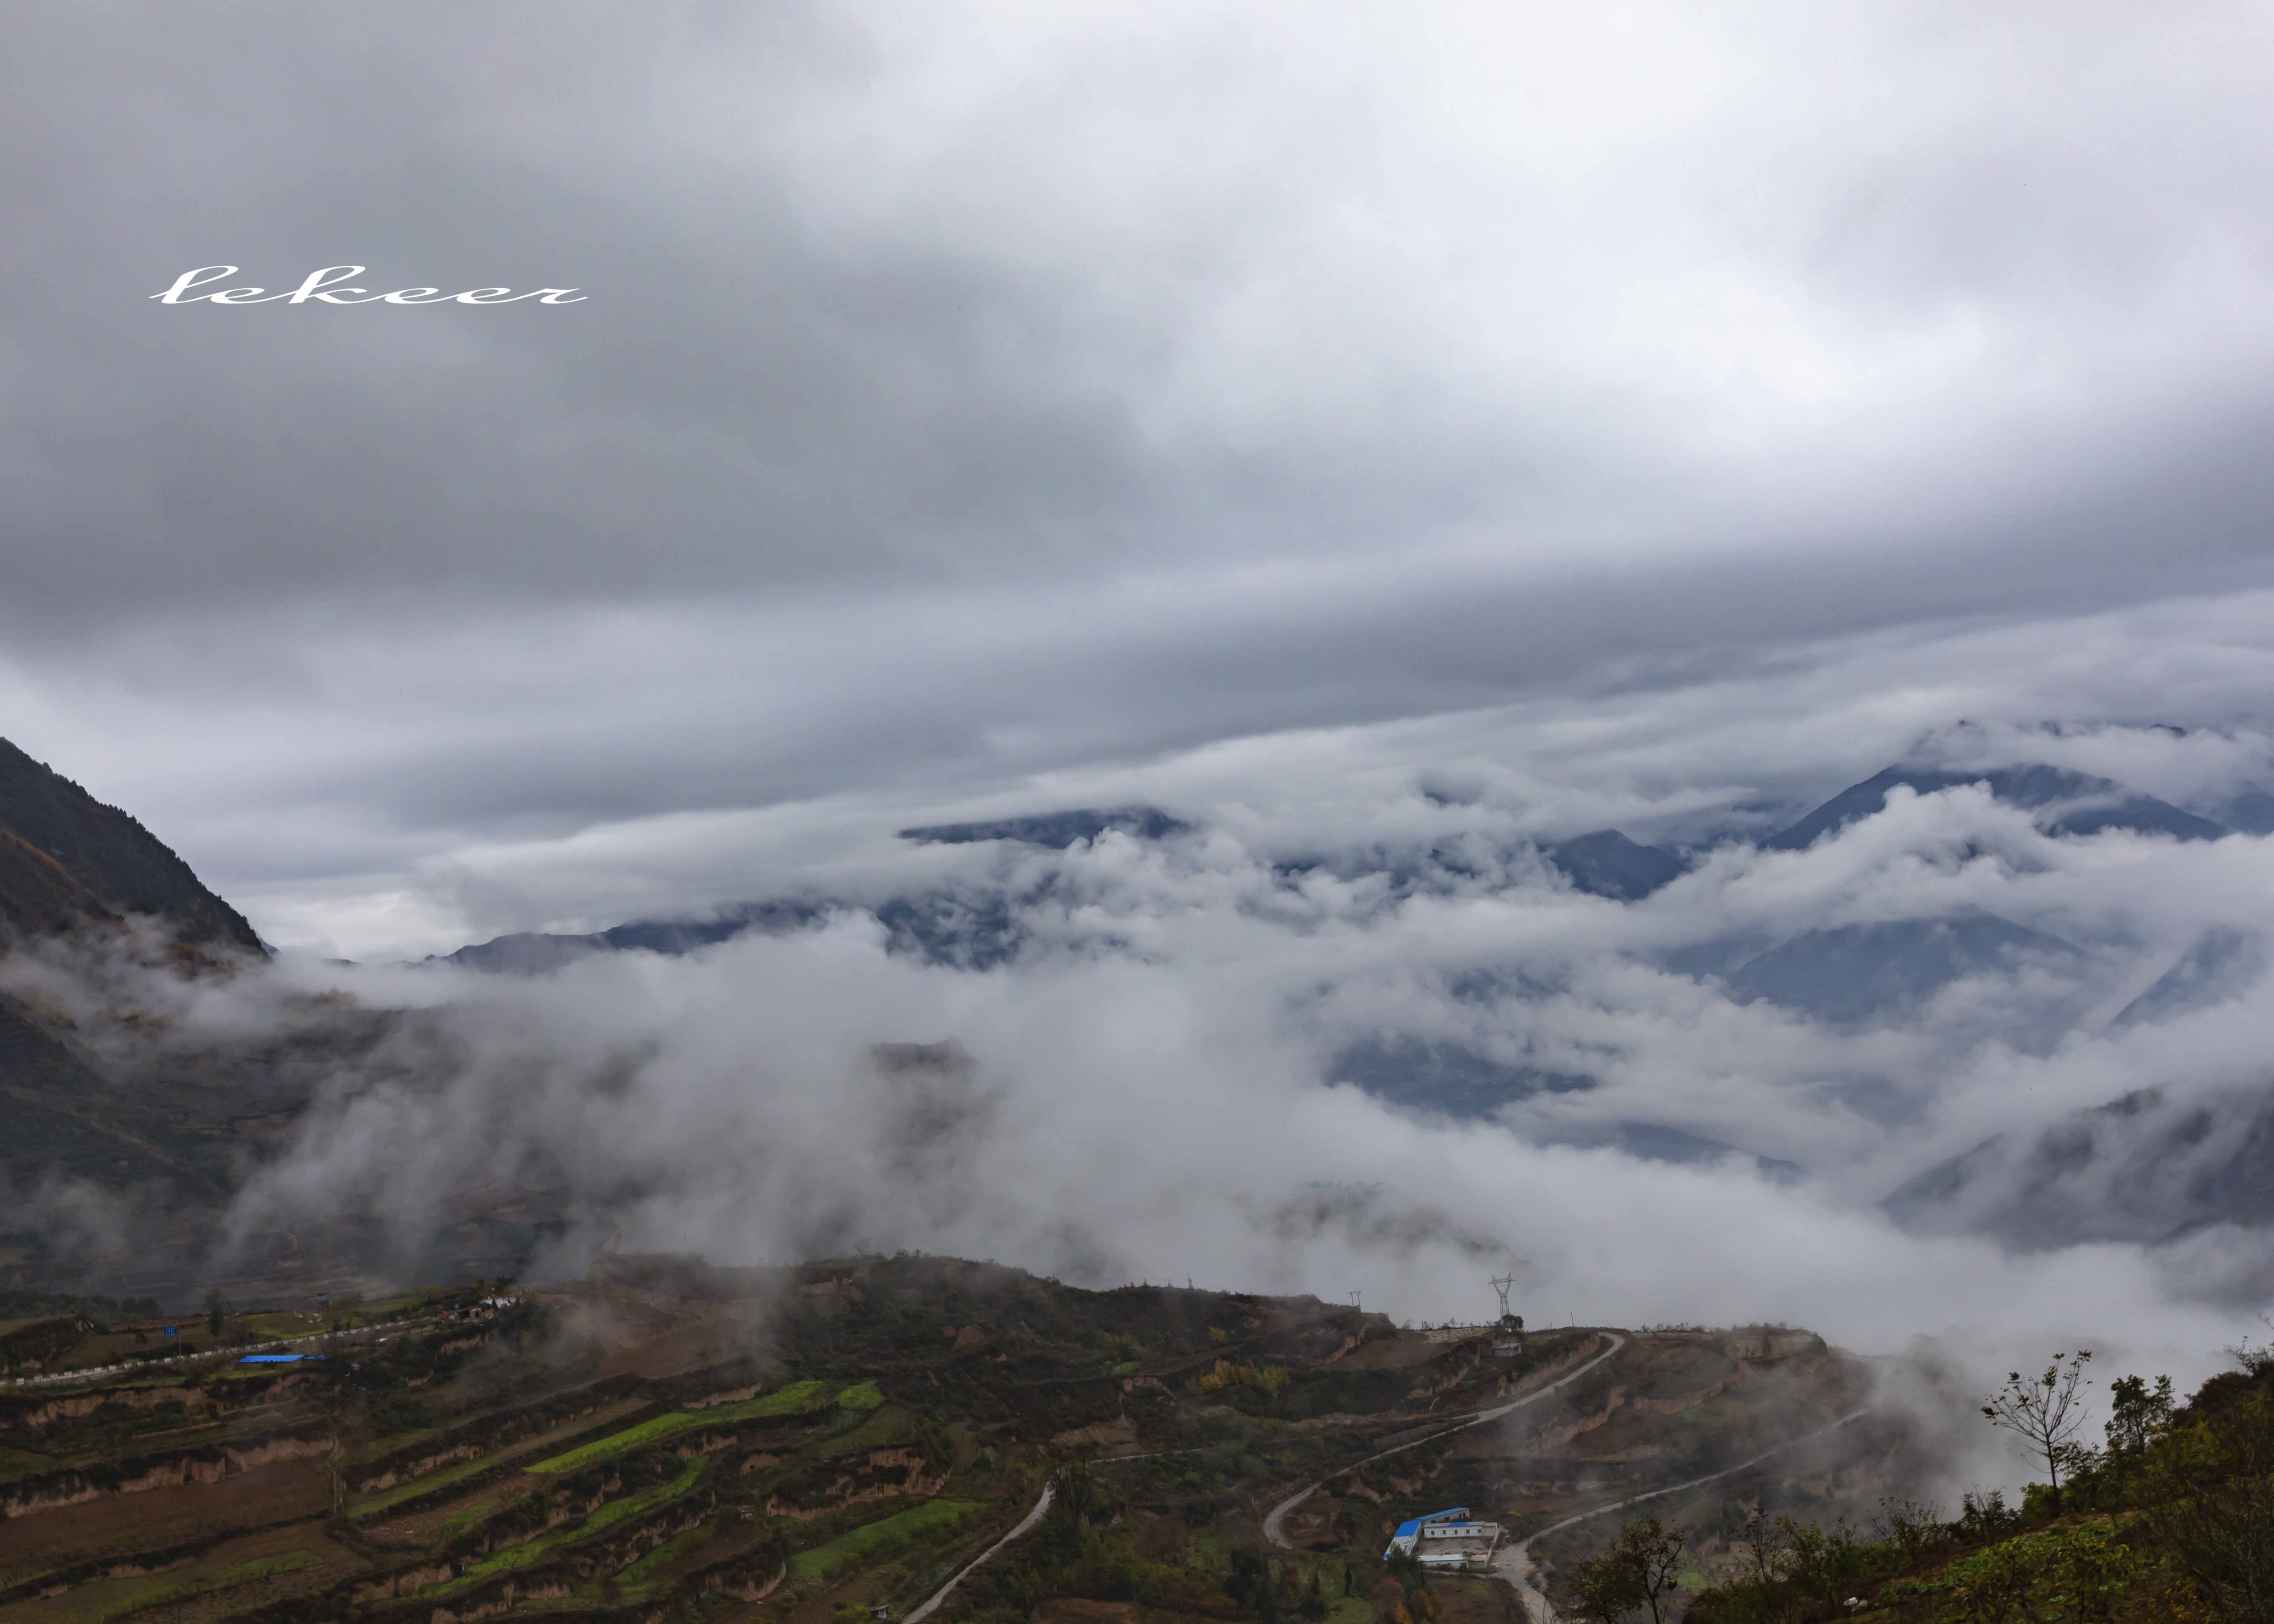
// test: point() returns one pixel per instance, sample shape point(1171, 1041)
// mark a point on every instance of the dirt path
point(1276, 1521)
point(1271, 1524)
point(1514, 1563)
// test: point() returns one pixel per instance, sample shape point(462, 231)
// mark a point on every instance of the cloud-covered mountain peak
point(2068, 802)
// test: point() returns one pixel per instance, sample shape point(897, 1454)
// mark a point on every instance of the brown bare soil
point(90, 1602)
point(1475, 1601)
point(1392, 1353)
point(1071, 1610)
point(47, 1540)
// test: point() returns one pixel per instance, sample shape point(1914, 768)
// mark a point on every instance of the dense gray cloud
point(1628, 415)
point(968, 394)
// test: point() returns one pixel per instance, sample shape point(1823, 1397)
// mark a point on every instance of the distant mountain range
point(1056, 829)
point(2148, 1169)
point(1855, 973)
point(171, 1132)
point(1847, 974)
point(2078, 803)
point(1604, 863)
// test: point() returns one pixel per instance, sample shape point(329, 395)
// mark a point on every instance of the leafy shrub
point(2068, 1573)
point(1268, 1380)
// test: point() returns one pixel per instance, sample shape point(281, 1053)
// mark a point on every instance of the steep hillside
point(2150, 1167)
point(67, 857)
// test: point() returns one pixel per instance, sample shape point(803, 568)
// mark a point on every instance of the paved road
point(1514, 1563)
point(381, 1332)
point(923, 1609)
point(1272, 1523)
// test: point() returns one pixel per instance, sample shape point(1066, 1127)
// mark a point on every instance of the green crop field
point(823, 1560)
point(798, 1398)
point(609, 1514)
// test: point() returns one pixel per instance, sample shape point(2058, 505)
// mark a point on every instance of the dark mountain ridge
point(66, 859)
point(1056, 830)
point(1607, 863)
point(1854, 973)
point(967, 930)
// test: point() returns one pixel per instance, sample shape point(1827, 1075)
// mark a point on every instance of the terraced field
point(667, 1441)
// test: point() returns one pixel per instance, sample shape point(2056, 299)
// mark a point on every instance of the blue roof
point(274, 1358)
point(1458, 1514)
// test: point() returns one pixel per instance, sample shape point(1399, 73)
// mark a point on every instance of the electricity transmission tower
point(1502, 1284)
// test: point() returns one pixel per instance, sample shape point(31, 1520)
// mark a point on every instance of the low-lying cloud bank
point(1157, 1083)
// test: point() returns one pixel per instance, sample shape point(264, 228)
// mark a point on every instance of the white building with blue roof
point(1445, 1539)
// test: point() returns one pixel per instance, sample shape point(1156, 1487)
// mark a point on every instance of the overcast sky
point(987, 406)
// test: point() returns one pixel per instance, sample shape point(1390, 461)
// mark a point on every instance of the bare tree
point(2044, 1412)
point(1642, 1570)
point(1763, 1544)
point(1657, 1552)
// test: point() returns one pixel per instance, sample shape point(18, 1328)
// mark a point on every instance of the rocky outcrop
point(80, 1405)
point(403, 1581)
point(746, 1584)
point(509, 1594)
point(404, 1471)
point(881, 1474)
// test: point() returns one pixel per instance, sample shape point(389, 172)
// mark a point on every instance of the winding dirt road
point(1271, 1524)
point(1275, 1522)
point(1514, 1563)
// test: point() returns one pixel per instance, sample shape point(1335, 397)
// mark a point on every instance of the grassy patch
point(886, 1426)
point(22, 1463)
point(615, 1443)
point(798, 1398)
point(1125, 1368)
point(268, 1567)
point(607, 1516)
point(823, 1560)
point(863, 1396)
point(116, 1599)
point(365, 1509)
